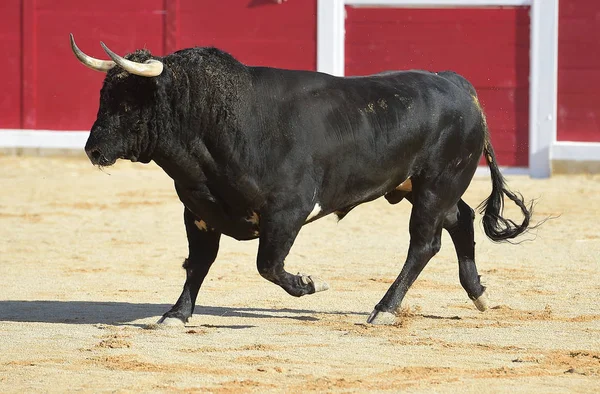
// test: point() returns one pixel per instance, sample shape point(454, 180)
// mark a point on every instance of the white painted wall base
point(576, 151)
point(484, 171)
point(14, 138)
point(43, 139)
point(75, 140)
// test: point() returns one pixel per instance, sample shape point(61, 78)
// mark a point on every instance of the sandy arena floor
point(88, 261)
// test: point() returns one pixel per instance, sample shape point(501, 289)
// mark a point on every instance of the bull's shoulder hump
point(272, 74)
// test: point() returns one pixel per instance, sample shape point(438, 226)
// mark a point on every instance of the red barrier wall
point(579, 70)
point(10, 66)
point(257, 32)
point(45, 87)
point(489, 46)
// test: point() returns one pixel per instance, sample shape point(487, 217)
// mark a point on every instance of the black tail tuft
point(496, 227)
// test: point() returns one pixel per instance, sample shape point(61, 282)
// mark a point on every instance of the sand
point(89, 260)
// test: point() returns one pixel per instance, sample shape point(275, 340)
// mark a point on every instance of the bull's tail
point(496, 227)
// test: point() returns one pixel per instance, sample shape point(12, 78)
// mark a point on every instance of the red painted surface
point(45, 87)
point(10, 66)
point(578, 71)
point(172, 25)
point(489, 46)
point(256, 32)
point(66, 94)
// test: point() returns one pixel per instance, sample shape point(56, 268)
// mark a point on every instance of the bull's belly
point(248, 227)
point(365, 191)
point(241, 228)
point(358, 196)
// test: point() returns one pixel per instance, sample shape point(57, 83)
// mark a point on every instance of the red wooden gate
point(489, 46)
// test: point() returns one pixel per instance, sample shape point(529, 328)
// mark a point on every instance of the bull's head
point(127, 103)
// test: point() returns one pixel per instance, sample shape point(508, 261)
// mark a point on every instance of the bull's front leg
point(203, 244)
point(278, 230)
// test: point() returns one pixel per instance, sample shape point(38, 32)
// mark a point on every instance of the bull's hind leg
point(433, 200)
point(426, 220)
point(203, 246)
point(278, 230)
point(459, 224)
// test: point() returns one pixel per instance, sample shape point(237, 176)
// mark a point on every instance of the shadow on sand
point(93, 312)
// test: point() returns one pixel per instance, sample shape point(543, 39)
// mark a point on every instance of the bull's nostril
point(95, 154)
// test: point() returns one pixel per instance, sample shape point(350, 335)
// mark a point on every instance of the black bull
point(258, 152)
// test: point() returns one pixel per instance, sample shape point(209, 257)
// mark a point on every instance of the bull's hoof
point(482, 302)
point(167, 321)
point(318, 283)
point(381, 318)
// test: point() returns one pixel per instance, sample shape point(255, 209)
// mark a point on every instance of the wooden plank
point(586, 9)
point(172, 25)
point(570, 56)
point(113, 7)
point(503, 67)
point(453, 33)
point(578, 129)
point(418, 16)
point(578, 103)
point(29, 72)
point(11, 65)
point(579, 80)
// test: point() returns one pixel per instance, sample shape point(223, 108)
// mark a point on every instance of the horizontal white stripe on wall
point(16, 138)
point(52, 139)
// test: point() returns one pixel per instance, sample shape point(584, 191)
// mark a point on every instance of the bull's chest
point(213, 215)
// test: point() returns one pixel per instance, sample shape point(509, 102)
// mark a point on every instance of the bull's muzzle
point(98, 157)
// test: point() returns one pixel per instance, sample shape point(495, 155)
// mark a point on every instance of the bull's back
point(379, 130)
point(459, 81)
point(364, 135)
point(400, 114)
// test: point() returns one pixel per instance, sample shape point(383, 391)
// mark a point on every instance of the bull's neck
point(181, 162)
point(197, 141)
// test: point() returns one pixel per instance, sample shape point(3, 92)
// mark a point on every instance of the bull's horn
point(94, 64)
point(150, 68)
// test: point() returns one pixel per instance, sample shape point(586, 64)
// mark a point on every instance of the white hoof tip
point(482, 302)
point(382, 318)
point(318, 283)
point(170, 322)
